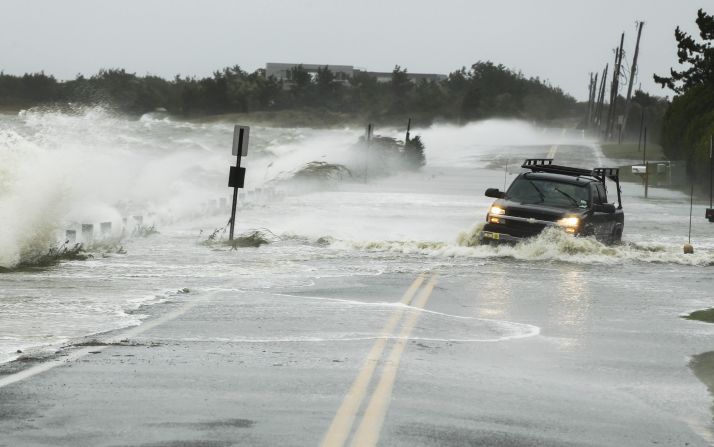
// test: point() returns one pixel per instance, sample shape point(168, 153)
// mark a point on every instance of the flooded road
point(370, 317)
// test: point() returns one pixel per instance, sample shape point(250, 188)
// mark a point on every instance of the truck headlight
point(497, 210)
point(569, 222)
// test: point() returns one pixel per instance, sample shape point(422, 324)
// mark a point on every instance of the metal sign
point(241, 136)
point(236, 177)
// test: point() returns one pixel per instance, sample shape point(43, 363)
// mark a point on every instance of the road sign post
point(709, 213)
point(368, 138)
point(236, 176)
point(644, 162)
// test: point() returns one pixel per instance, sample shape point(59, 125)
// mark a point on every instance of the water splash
point(551, 245)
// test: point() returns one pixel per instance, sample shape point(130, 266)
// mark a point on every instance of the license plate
point(494, 236)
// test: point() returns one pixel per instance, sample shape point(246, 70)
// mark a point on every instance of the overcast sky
point(558, 40)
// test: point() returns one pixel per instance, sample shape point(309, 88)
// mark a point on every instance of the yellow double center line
point(552, 152)
point(367, 433)
point(554, 148)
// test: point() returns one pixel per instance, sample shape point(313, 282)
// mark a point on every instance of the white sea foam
point(58, 170)
point(551, 245)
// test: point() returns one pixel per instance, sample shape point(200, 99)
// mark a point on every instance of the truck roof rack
point(600, 174)
point(611, 173)
point(546, 165)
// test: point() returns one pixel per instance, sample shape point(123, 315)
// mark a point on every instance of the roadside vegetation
point(54, 255)
point(633, 151)
point(706, 315)
point(689, 121)
point(485, 90)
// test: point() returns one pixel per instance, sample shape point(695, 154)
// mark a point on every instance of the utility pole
point(633, 72)
point(409, 126)
point(601, 98)
point(615, 86)
point(644, 161)
point(591, 120)
point(366, 155)
point(590, 99)
point(642, 123)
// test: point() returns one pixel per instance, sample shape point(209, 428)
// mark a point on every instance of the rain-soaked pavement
point(579, 365)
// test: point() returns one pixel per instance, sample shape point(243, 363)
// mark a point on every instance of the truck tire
point(616, 236)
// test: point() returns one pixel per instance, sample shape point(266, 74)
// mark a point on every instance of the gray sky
point(558, 40)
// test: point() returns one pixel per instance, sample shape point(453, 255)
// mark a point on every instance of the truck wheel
point(616, 236)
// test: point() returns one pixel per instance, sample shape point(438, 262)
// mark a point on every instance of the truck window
point(548, 192)
point(596, 194)
point(601, 192)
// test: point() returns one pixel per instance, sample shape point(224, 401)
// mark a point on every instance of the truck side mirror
point(495, 193)
point(608, 208)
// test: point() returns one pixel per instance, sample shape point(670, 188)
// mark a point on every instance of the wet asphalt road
point(233, 368)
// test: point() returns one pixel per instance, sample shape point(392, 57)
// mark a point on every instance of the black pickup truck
point(549, 195)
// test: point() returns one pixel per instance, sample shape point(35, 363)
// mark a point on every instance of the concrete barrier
point(106, 229)
point(87, 233)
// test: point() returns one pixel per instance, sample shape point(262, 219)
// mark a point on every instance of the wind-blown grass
point(53, 256)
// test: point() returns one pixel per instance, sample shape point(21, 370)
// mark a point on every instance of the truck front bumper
point(492, 237)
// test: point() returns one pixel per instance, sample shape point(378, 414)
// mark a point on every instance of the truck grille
point(523, 228)
point(532, 214)
point(514, 228)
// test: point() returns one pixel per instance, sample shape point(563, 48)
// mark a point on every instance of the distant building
point(343, 73)
point(283, 72)
point(386, 76)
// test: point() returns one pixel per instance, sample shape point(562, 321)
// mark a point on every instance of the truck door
point(603, 222)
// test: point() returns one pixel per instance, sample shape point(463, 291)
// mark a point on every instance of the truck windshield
point(548, 192)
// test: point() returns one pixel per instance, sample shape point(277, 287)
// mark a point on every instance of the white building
point(283, 71)
point(343, 73)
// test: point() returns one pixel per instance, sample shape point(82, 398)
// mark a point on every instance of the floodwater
point(60, 170)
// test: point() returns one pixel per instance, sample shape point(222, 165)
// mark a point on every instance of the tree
point(698, 55)
point(401, 87)
point(324, 79)
point(328, 90)
point(300, 77)
point(485, 90)
point(365, 94)
point(689, 120)
point(301, 85)
point(400, 82)
point(430, 97)
point(688, 123)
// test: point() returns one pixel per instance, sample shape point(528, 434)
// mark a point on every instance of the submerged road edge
point(78, 354)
